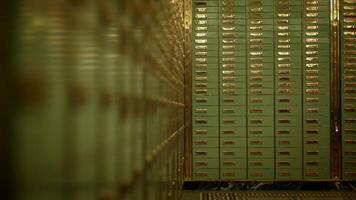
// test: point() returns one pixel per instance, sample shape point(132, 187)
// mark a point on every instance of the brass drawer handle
point(201, 110)
point(201, 163)
point(312, 110)
point(350, 174)
point(228, 132)
point(229, 110)
point(256, 132)
point(313, 163)
point(284, 121)
point(350, 121)
point(229, 142)
point(229, 163)
point(312, 174)
point(201, 153)
point(256, 121)
point(229, 153)
point(201, 100)
point(312, 153)
point(284, 100)
point(257, 174)
point(201, 85)
point(202, 174)
point(229, 174)
point(284, 142)
point(201, 132)
point(313, 142)
point(350, 153)
point(350, 141)
point(350, 163)
point(256, 111)
point(284, 163)
point(350, 131)
point(283, 110)
point(312, 131)
point(312, 121)
point(284, 153)
point(256, 142)
point(256, 163)
point(229, 121)
point(229, 100)
point(284, 174)
point(201, 91)
point(201, 121)
point(283, 132)
point(256, 153)
point(201, 142)
point(256, 100)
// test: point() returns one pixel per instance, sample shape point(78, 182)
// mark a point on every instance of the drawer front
point(311, 174)
point(261, 174)
point(233, 163)
point(289, 131)
point(212, 131)
point(320, 152)
point(233, 100)
point(233, 121)
point(260, 110)
point(282, 153)
point(205, 142)
point(349, 174)
point(205, 110)
point(261, 163)
point(288, 100)
point(228, 142)
point(288, 111)
point(289, 163)
point(260, 121)
point(316, 163)
point(233, 174)
point(233, 131)
point(289, 174)
point(206, 174)
point(289, 120)
point(205, 121)
point(205, 152)
point(260, 100)
point(205, 100)
point(256, 153)
point(260, 131)
point(316, 142)
point(288, 142)
point(261, 142)
point(227, 153)
point(233, 110)
point(205, 163)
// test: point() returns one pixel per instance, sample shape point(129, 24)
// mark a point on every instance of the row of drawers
point(309, 152)
point(262, 163)
point(255, 142)
point(262, 121)
point(243, 131)
point(261, 91)
point(260, 174)
point(254, 3)
point(269, 60)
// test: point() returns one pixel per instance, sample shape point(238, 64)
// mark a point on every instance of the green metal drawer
point(252, 22)
point(228, 153)
point(316, 142)
point(312, 174)
point(204, 29)
point(212, 131)
point(232, 110)
point(239, 74)
point(260, 121)
point(259, 142)
point(349, 164)
point(204, 9)
point(252, 80)
point(264, 72)
point(203, 47)
point(206, 92)
point(198, 16)
point(320, 15)
point(202, 3)
point(263, 15)
point(209, 163)
point(236, 91)
point(280, 21)
point(204, 142)
point(233, 174)
point(282, 153)
point(205, 152)
point(233, 121)
point(206, 22)
point(289, 174)
point(261, 174)
point(314, 100)
point(316, 120)
point(233, 100)
point(289, 131)
point(288, 142)
point(288, 78)
point(260, 110)
point(230, 142)
point(205, 100)
point(295, 110)
point(258, 59)
point(286, 121)
point(288, 163)
point(316, 163)
point(236, 53)
point(262, 91)
point(199, 110)
point(203, 60)
point(255, 153)
point(261, 163)
point(317, 151)
point(205, 121)
point(260, 100)
point(260, 131)
point(233, 131)
point(233, 163)
point(206, 53)
point(349, 174)
point(288, 100)
point(206, 174)
point(210, 73)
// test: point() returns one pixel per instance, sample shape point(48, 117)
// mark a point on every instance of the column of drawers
point(288, 89)
point(260, 84)
point(232, 90)
point(205, 90)
point(349, 88)
point(316, 107)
